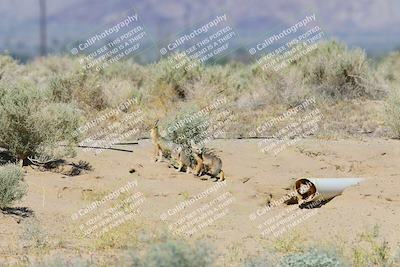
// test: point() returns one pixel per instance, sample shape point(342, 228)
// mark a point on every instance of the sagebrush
point(31, 124)
point(177, 254)
point(12, 187)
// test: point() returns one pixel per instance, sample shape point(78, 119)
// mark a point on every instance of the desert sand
point(252, 179)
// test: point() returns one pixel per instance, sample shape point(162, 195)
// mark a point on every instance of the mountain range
point(370, 24)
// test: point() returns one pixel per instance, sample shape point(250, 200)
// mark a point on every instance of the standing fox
point(182, 158)
point(207, 162)
point(161, 148)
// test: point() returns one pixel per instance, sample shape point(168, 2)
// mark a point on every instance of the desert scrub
point(232, 78)
point(336, 72)
point(168, 80)
point(82, 87)
point(176, 254)
point(12, 187)
point(312, 258)
point(8, 67)
point(290, 244)
point(185, 126)
point(121, 237)
point(32, 125)
point(392, 110)
point(61, 89)
point(371, 250)
point(127, 70)
point(389, 68)
point(34, 236)
point(7, 64)
point(59, 261)
point(265, 261)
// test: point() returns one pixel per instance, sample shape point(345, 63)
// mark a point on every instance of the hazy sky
point(371, 24)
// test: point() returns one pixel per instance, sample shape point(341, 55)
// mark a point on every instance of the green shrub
point(189, 124)
point(176, 254)
point(11, 185)
point(312, 258)
point(33, 125)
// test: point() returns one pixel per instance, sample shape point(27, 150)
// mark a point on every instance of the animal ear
point(156, 122)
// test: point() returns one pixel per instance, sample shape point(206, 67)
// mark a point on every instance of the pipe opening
point(305, 189)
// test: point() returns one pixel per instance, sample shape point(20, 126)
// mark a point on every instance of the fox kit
point(182, 158)
point(160, 144)
point(207, 162)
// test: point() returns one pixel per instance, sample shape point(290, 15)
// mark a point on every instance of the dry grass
point(344, 81)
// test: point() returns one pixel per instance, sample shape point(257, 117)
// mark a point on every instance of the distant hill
point(370, 24)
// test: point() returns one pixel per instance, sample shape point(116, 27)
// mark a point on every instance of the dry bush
point(7, 64)
point(34, 236)
point(393, 111)
point(338, 72)
point(231, 79)
point(84, 88)
point(119, 91)
point(332, 73)
point(32, 125)
point(284, 88)
point(371, 250)
point(10, 70)
point(389, 68)
point(126, 70)
point(122, 237)
point(42, 70)
point(167, 83)
point(176, 254)
point(11, 185)
point(62, 261)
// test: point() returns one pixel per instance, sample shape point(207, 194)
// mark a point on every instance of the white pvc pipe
point(311, 189)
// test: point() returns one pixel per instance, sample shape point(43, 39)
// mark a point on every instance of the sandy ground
point(252, 178)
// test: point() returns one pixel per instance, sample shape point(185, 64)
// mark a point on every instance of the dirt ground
point(252, 180)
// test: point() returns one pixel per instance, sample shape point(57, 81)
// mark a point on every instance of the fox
point(207, 162)
point(182, 157)
point(161, 148)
